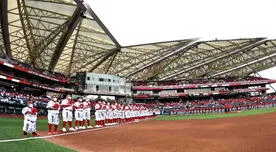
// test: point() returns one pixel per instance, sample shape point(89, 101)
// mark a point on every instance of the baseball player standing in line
point(127, 113)
point(30, 117)
point(53, 111)
point(122, 114)
point(78, 106)
point(109, 114)
point(117, 112)
point(67, 113)
point(114, 114)
point(98, 114)
point(86, 112)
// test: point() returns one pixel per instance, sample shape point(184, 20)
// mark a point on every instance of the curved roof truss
point(67, 36)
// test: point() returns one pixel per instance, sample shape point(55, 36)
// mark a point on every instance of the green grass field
point(10, 128)
point(216, 115)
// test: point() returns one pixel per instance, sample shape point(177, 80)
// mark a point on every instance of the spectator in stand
point(227, 107)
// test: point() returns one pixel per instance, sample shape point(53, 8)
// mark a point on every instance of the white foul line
point(63, 134)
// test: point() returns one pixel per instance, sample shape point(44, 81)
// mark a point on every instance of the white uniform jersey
point(87, 105)
point(97, 106)
point(108, 108)
point(127, 108)
point(51, 104)
point(29, 117)
point(78, 106)
point(114, 107)
point(66, 102)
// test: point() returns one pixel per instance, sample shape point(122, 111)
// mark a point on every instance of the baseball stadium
point(68, 84)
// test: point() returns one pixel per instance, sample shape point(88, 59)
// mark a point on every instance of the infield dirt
point(247, 134)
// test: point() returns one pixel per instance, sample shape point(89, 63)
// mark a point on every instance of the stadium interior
point(62, 47)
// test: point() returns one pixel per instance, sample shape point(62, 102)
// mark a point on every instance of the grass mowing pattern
point(216, 115)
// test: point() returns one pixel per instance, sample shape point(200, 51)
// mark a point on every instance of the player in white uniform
point(122, 114)
point(114, 113)
point(86, 112)
point(118, 108)
point(108, 116)
point(30, 117)
point(78, 106)
point(67, 113)
point(98, 114)
point(127, 113)
point(53, 111)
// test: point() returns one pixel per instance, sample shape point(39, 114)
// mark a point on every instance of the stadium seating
point(35, 71)
point(211, 106)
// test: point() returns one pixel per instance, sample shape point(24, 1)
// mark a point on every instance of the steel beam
point(109, 54)
point(111, 62)
point(43, 44)
point(174, 51)
point(5, 26)
point(257, 43)
point(27, 31)
point(73, 49)
point(94, 60)
point(72, 24)
point(266, 56)
point(97, 19)
point(261, 68)
point(196, 56)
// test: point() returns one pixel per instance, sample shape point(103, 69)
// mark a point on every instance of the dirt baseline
point(246, 134)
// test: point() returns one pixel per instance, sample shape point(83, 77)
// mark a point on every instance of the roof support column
point(71, 25)
point(4, 26)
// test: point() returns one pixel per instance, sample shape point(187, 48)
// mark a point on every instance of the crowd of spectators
point(32, 82)
point(37, 70)
point(12, 102)
point(220, 105)
point(199, 81)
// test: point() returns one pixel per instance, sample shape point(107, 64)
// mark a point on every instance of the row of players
point(106, 114)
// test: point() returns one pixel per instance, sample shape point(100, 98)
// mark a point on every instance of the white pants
point(115, 114)
point(109, 115)
point(97, 115)
point(53, 118)
point(67, 115)
point(122, 114)
point(86, 114)
point(29, 126)
point(79, 115)
point(103, 115)
point(128, 114)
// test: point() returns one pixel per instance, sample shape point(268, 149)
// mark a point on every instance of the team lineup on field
point(154, 79)
point(106, 114)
